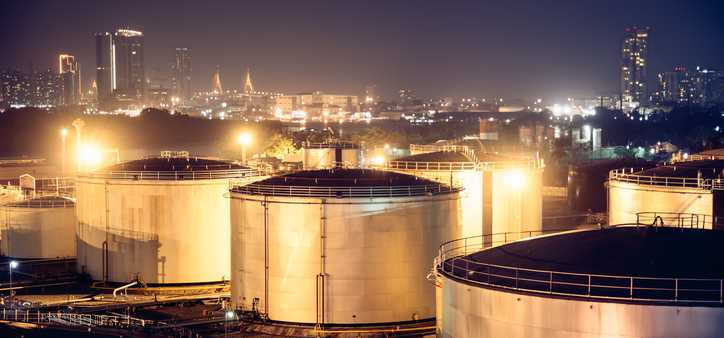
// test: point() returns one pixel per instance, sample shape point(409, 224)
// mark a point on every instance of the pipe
point(121, 288)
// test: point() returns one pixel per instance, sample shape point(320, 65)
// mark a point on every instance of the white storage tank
point(331, 154)
point(501, 193)
point(692, 186)
point(339, 246)
point(163, 220)
point(41, 227)
point(624, 281)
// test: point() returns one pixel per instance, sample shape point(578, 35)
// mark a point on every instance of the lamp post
point(244, 140)
point(12, 265)
point(63, 136)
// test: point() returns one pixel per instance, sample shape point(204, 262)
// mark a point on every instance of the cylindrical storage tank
point(625, 281)
point(330, 155)
point(586, 188)
point(501, 193)
point(340, 246)
point(452, 168)
point(42, 227)
point(687, 187)
point(162, 220)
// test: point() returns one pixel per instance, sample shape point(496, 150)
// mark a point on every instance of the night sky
point(517, 49)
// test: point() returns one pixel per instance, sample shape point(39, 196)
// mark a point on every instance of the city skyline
point(577, 53)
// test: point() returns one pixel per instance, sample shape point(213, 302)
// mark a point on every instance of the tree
point(280, 145)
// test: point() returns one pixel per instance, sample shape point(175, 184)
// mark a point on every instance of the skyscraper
point(69, 71)
point(105, 66)
point(130, 69)
point(120, 69)
point(633, 66)
point(181, 75)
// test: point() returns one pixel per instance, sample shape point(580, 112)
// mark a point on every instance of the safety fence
point(630, 175)
point(344, 192)
point(453, 260)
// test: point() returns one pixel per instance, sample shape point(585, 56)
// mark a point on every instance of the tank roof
point(630, 263)
point(342, 182)
point(173, 168)
point(174, 164)
point(665, 252)
point(43, 202)
point(709, 169)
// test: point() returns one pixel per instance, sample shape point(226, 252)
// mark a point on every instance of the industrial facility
point(692, 185)
point(502, 193)
point(159, 220)
point(623, 281)
point(38, 228)
point(330, 155)
point(339, 246)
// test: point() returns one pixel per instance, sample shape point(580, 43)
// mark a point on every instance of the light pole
point(244, 140)
point(13, 265)
point(63, 136)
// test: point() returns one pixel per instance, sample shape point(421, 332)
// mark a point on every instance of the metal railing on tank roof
point(344, 191)
point(43, 203)
point(431, 166)
point(324, 145)
point(179, 175)
point(629, 175)
point(679, 220)
point(453, 261)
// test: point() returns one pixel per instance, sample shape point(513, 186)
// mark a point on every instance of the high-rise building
point(45, 89)
point(120, 69)
point(105, 66)
point(634, 61)
point(69, 71)
point(672, 86)
point(181, 75)
point(14, 88)
point(130, 69)
point(700, 86)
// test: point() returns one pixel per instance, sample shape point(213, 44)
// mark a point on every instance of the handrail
point(344, 191)
point(41, 204)
point(452, 261)
point(324, 145)
point(446, 166)
point(678, 219)
point(628, 175)
point(179, 175)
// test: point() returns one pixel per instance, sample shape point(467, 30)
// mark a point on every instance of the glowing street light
point(244, 140)
point(89, 156)
point(12, 265)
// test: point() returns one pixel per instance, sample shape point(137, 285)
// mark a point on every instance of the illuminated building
point(14, 88)
point(105, 66)
point(700, 86)
point(633, 66)
point(318, 105)
point(120, 69)
point(69, 71)
point(45, 89)
point(181, 75)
